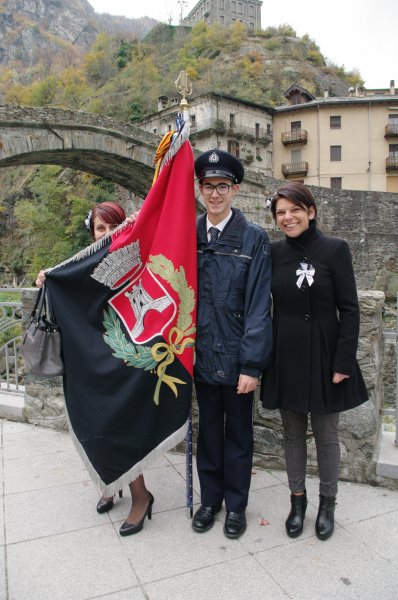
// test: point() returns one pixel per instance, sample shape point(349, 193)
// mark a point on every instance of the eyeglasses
point(222, 188)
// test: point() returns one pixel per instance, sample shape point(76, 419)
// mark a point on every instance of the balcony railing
point(391, 130)
point(296, 168)
point(392, 163)
point(298, 136)
point(261, 135)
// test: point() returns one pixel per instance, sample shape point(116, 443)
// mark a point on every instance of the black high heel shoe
point(131, 528)
point(105, 504)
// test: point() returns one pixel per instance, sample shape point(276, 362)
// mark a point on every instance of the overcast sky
point(358, 34)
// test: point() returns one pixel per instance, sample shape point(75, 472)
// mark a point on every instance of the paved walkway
point(54, 545)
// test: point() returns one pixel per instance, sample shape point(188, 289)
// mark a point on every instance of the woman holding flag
point(125, 307)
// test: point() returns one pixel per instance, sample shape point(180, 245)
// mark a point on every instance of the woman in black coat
point(313, 368)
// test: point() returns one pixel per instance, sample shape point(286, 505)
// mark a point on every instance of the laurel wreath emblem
point(156, 358)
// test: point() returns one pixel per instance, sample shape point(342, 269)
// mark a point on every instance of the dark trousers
point(325, 429)
point(225, 445)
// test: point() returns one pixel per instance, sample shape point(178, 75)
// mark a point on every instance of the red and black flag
point(126, 311)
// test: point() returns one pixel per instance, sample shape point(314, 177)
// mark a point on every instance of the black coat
point(234, 329)
point(315, 325)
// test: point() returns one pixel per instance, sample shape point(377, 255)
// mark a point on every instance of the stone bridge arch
point(88, 142)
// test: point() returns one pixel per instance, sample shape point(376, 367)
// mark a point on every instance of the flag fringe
point(110, 489)
point(92, 248)
point(176, 144)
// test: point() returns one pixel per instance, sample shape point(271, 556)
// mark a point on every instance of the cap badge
point(214, 158)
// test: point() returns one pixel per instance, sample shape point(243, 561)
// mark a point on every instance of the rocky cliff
point(31, 28)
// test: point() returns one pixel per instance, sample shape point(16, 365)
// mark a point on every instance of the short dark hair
point(295, 191)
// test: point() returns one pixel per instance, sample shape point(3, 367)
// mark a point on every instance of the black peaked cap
point(218, 163)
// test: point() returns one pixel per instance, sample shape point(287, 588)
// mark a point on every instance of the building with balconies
point(338, 142)
point(219, 121)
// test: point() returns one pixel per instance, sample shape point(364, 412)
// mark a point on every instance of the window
point(296, 156)
point(193, 120)
point(393, 124)
point(257, 130)
point(154, 130)
point(240, 8)
point(393, 150)
point(269, 128)
point(335, 153)
point(336, 183)
point(231, 120)
point(233, 6)
point(258, 155)
point(295, 126)
point(335, 122)
point(222, 4)
point(251, 11)
point(233, 147)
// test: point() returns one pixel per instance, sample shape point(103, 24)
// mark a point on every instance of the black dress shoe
point(105, 504)
point(235, 524)
point(203, 519)
point(131, 528)
point(324, 525)
point(295, 521)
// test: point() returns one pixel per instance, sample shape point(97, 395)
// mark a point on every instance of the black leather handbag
point(41, 345)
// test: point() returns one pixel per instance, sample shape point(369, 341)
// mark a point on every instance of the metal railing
point(392, 163)
point(295, 168)
point(11, 361)
point(260, 135)
point(391, 130)
point(298, 136)
point(12, 378)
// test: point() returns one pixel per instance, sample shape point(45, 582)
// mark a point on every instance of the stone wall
point(367, 220)
point(360, 428)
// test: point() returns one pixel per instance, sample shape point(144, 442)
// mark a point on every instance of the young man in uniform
point(234, 339)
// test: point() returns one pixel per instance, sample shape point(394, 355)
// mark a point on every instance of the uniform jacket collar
point(231, 235)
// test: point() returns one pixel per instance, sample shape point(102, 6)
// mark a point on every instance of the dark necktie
point(214, 233)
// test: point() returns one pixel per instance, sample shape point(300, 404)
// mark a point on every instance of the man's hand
point(246, 384)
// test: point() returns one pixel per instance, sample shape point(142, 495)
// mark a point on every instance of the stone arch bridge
point(88, 142)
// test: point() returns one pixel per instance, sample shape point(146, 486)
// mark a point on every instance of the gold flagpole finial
point(184, 88)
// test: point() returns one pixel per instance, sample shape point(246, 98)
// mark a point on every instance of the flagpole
point(184, 88)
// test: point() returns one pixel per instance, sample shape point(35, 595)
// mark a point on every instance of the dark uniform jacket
point(233, 323)
point(315, 326)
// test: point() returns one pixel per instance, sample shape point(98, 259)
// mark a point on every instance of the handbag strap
point(39, 303)
point(50, 312)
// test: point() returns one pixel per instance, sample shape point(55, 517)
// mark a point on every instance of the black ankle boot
point(295, 521)
point(324, 525)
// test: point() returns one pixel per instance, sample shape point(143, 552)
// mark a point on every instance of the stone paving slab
point(55, 510)
point(77, 565)
point(54, 545)
point(380, 534)
point(342, 568)
point(238, 579)
point(2, 572)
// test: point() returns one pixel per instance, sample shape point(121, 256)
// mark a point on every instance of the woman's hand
point(338, 377)
point(133, 217)
point(40, 279)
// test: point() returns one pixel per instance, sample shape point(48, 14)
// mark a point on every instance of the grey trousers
point(325, 428)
